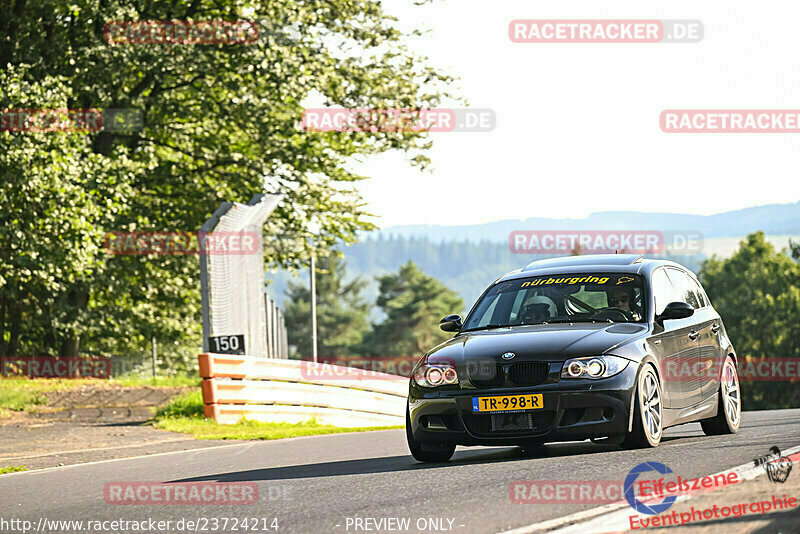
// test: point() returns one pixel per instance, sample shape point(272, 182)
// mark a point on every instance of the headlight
point(430, 375)
point(593, 367)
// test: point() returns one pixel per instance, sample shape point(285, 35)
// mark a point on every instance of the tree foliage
point(341, 312)
point(413, 303)
point(757, 293)
point(219, 123)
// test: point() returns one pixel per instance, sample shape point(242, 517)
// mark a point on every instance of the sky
point(578, 124)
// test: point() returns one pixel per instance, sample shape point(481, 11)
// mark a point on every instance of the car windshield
point(566, 297)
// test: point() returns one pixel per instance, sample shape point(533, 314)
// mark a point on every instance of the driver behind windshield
point(623, 298)
point(537, 309)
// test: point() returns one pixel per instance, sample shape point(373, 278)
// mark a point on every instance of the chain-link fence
point(277, 340)
point(232, 279)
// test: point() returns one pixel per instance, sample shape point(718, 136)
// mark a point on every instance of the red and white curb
point(614, 517)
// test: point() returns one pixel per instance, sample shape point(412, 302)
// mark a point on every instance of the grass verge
point(12, 469)
point(22, 393)
point(185, 414)
point(160, 381)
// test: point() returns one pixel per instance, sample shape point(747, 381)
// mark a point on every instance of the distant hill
point(774, 219)
point(468, 258)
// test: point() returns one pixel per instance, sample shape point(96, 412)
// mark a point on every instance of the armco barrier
point(270, 390)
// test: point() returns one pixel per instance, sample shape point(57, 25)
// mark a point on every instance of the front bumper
point(574, 410)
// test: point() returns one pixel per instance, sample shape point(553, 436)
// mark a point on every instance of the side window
point(686, 288)
point(663, 291)
point(704, 295)
point(701, 295)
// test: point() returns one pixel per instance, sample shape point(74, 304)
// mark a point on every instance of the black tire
point(640, 438)
point(725, 422)
point(427, 452)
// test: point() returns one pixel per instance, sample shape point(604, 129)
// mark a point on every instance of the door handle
point(694, 335)
point(715, 328)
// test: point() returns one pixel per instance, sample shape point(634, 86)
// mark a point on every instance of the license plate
point(530, 401)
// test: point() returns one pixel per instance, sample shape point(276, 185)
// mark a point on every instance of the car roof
point(591, 263)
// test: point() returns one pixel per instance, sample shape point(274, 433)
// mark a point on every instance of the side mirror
point(676, 310)
point(451, 323)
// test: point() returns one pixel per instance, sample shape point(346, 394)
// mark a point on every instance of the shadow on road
point(390, 464)
point(463, 456)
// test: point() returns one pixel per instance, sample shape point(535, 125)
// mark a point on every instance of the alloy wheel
point(730, 393)
point(651, 405)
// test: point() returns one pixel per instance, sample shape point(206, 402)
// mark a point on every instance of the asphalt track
point(315, 484)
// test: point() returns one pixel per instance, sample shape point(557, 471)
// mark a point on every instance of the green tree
point(757, 293)
point(341, 313)
point(413, 303)
point(57, 197)
point(220, 122)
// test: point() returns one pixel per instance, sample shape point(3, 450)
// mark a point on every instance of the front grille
point(528, 373)
point(509, 424)
point(485, 374)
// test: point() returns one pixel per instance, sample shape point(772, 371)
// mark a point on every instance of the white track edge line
point(226, 446)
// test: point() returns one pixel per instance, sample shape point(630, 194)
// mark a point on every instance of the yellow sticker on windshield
point(550, 281)
point(624, 279)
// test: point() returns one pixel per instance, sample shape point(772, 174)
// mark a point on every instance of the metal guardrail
point(272, 390)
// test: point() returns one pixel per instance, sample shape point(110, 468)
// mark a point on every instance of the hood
point(557, 342)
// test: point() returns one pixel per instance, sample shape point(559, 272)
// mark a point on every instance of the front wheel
point(729, 404)
point(425, 452)
point(647, 412)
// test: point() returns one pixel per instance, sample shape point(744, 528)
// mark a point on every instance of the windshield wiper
point(486, 327)
point(554, 321)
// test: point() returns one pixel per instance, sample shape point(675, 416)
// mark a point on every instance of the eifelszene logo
point(636, 504)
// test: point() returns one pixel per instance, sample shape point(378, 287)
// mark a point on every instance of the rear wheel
point(729, 408)
point(647, 412)
point(427, 452)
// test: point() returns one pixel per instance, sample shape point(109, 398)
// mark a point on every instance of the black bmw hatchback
point(613, 348)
